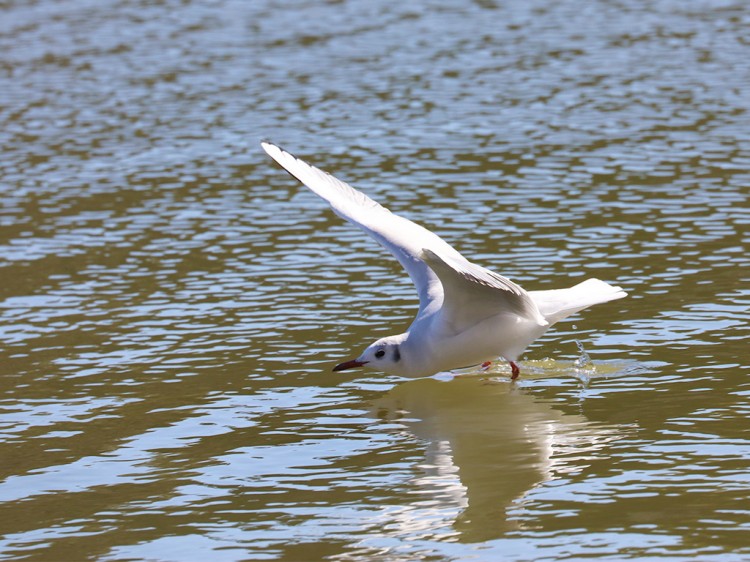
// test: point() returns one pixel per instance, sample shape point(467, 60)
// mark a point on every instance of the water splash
point(583, 361)
point(583, 366)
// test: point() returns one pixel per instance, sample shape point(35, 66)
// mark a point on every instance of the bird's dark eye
point(379, 353)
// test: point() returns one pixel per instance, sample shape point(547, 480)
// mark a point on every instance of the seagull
point(468, 315)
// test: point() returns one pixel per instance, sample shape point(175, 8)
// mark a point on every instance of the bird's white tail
point(561, 303)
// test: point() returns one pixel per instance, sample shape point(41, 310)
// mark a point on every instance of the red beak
point(349, 365)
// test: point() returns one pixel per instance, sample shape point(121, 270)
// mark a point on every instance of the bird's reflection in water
point(488, 445)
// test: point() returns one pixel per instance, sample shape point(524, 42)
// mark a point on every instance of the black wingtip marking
point(285, 151)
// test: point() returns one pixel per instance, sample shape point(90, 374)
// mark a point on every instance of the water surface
point(172, 302)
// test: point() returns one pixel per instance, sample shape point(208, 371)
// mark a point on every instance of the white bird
point(468, 315)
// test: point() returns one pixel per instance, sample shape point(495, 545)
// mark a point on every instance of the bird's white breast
point(436, 347)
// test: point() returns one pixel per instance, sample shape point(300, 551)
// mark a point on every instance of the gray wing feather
point(473, 292)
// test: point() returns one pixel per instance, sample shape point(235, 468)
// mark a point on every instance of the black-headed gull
point(468, 315)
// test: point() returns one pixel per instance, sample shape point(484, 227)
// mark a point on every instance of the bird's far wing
point(403, 238)
point(473, 293)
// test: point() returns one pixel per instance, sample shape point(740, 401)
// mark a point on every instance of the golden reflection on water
point(487, 445)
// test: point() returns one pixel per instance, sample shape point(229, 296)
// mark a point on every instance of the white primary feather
point(403, 238)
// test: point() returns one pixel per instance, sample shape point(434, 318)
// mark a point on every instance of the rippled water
point(171, 302)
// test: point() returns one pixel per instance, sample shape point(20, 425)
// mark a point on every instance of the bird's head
point(386, 354)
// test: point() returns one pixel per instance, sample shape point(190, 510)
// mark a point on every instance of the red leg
point(515, 371)
point(485, 365)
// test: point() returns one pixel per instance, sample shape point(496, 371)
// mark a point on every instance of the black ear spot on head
point(396, 355)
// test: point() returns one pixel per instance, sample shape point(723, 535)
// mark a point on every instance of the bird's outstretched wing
point(468, 292)
point(403, 238)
